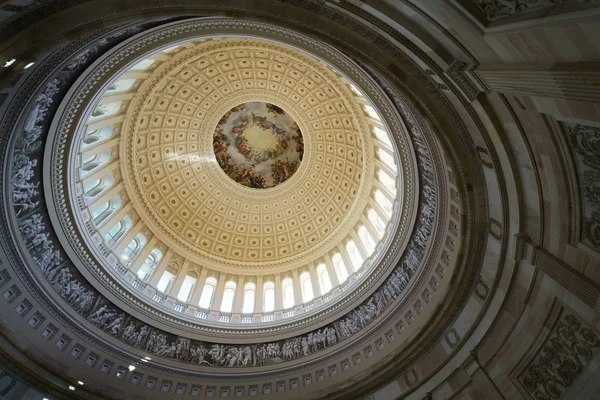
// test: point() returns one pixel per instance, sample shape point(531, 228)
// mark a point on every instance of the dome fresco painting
point(298, 199)
point(258, 145)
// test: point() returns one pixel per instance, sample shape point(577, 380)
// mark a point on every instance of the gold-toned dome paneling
point(181, 191)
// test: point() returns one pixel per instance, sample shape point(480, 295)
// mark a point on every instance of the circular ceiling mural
point(258, 145)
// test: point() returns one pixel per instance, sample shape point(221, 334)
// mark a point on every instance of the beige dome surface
point(186, 199)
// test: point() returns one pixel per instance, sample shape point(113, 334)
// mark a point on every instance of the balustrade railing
point(268, 317)
point(159, 298)
point(180, 307)
point(246, 318)
point(202, 314)
point(224, 317)
point(139, 284)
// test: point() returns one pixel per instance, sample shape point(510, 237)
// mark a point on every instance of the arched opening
point(120, 85)
point(366, 240)
point(306, 284)
point(387, 181)
point(354, 255)
point(118, 231)
point(228, 295)
point(324, 281)
point(186, 288)
point(377, 222)
point(96, 136)
point(150, 264)
point(288, 293)
point(268, 297)
point(94, 162)
point(165, 282)
point(105, 110)
point(383, 202)
point(133, 248)
point(339, 267)
point(207, 293)
point(249, 295)
point(100, 214)
point(98, 186)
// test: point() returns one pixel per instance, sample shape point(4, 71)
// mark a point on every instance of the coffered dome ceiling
point(179, 189)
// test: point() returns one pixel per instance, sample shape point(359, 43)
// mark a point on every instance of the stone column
point(579, 81)
point(481, 379)
point(314, 280)
point(297, 288)
point(359, 246)
point(102, 122)
point(139, 260)
point(559, 271)
point(106, 196)
point(331, 271)
point(181, 274)
point(161, 268)
point(258, 299)
point(197, 291)
point(128, 237)
point(278, 293)
point(113, 97)
point(238, 298)
point(108, 223)
point(347, 261)
point(218, 296)
point(106, 169)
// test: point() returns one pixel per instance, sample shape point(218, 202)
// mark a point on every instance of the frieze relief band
point(65, 279)
point(407, 209)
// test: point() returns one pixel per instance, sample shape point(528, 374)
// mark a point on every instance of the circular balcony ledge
point(100, 75)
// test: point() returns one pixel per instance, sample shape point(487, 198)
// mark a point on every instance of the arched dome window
point(324, 281)
point(372, 113)
point(105, 210)
point(105, 110)
point(150, 264)
point(133, 248)
point(339, 267)
point(96, 136)
point(386, 158)
point(94, 162)
point(268, 297)
point(228, 295)
point(382, 136)
point(165, 282)
point(143, 64)
point(207, 293)
point(306, 284)
point(121, 85)
point(186, 288)
point(383, 201)
point(366, 239)
point(249, 295)
point(98, 186)
point(118, 231)
point(386, 180)
point(377, 223)
point(288, 293)
point(354, 255)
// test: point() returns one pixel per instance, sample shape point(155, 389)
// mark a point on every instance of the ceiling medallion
point(258, 145)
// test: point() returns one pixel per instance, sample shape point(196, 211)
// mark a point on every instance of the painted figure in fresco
point(251, 163)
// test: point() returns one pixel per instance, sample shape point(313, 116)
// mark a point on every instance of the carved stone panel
point(561, 359)
point(585, 143)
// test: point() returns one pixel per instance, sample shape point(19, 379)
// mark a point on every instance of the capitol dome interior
point(300, 199)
